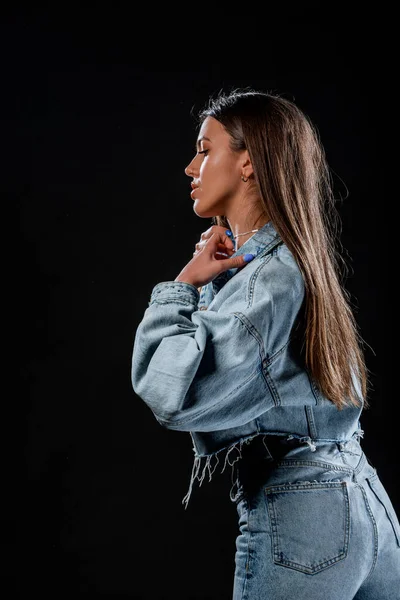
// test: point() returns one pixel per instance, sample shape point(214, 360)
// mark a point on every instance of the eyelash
point(203, 152)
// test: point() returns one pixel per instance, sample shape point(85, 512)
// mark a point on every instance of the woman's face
point(216, 171)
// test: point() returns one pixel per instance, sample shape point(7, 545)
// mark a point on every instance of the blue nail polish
point(248, 257)
point(228, 232)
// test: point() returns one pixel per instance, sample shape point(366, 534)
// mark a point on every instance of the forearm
point(166, 354)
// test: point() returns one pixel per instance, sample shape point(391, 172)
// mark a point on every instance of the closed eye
point(203, 152)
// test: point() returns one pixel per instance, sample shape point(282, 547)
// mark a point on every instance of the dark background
point(97, 130)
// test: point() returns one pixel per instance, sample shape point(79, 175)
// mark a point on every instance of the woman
point(254, 350)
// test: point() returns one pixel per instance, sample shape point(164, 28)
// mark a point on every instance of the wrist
point(185, 280)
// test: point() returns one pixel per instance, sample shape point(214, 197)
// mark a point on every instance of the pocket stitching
point(278, 555)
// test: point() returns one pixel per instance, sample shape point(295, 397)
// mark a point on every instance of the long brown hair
point(294, 182)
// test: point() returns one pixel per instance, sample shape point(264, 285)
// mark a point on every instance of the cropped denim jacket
point(225, 363)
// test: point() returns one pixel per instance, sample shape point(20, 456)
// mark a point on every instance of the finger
point(220, 255)
point(217, 239)
point(213, 229)
point(227, 241)
point(238, 261)
point(223, 248)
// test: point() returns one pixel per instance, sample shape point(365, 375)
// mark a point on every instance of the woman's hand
point(224, 251)
point(208, 259)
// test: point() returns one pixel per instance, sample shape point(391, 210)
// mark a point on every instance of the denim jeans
point(314, 525)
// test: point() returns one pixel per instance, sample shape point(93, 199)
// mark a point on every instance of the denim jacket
point(225, 363)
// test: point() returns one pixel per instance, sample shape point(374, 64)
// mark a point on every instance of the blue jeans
point(315, 524)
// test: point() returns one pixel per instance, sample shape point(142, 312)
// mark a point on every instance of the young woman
point(254, 350)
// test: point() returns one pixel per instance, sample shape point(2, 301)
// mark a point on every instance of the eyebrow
point(200, 139)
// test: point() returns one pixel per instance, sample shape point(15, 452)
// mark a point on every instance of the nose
point(190, 169)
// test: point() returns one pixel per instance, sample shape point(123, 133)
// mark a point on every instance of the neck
point(245, 228)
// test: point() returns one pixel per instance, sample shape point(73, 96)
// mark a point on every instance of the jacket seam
point(272, 357)
point(174, 301)
point(311, 422)
point(277, 241)
point(253, 279)
point(270, 385)
point(254, 332)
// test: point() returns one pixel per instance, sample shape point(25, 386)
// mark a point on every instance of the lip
point(192, 192)
point(194, 185)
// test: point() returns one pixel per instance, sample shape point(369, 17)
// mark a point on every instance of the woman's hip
point(309, 523)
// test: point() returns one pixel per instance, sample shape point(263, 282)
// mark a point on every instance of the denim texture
point(313, 525)
point(224, 363)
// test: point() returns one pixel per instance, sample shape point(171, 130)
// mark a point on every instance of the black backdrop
point(97, 120)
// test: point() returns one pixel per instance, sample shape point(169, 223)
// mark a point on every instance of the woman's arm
point(189, 366)
point(203, 370)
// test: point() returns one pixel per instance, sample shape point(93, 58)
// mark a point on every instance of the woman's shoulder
point(279, 267)
point(272, 277)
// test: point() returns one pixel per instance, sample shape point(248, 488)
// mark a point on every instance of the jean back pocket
point(310, 524)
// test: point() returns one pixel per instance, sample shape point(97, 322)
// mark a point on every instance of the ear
point(245, 163)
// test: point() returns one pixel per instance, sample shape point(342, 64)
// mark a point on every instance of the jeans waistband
point(274, 459)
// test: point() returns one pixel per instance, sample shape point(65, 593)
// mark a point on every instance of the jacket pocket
point(377, 487)
point(310, 524)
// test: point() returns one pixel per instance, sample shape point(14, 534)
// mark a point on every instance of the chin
point(204, 213)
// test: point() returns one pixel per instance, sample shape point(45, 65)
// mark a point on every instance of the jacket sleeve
point(202, 370)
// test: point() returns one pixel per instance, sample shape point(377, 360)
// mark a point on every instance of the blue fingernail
point(248, 257)
point(228, 232)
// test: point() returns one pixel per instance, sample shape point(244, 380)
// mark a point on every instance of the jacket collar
point(265, 236)
point(262, 240)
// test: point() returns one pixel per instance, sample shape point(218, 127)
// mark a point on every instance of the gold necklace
point(246, 232)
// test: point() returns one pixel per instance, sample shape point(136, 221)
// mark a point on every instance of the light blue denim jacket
point(225, 364)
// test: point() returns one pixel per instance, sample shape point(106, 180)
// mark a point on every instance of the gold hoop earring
point(244, 178)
